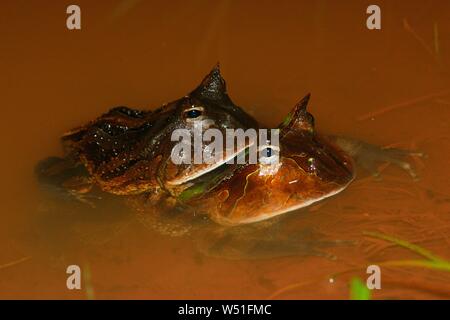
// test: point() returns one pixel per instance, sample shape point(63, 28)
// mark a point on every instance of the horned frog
point(124, 155)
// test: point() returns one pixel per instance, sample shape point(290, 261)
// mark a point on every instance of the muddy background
point(389, 87)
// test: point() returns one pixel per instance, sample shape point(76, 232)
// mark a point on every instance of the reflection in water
point(271, 54)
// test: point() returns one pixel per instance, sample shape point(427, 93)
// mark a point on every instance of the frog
point(248, 206)
point(128, 151)
point(228, 208)
point(306, 168)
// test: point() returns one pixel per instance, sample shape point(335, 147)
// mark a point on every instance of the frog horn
point(213, 86)
point(299, 118)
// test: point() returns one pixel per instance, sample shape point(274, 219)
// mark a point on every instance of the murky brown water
point(144, 53)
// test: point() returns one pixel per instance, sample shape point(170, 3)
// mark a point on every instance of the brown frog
point(126, 153)
point(309, 168)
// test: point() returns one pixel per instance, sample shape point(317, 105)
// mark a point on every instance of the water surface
point(144, 53)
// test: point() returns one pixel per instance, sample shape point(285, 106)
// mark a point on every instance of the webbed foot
point(65, 180)
point(369, 157)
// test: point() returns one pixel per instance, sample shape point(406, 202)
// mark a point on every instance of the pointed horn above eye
point(299, 118)
point(301, 105)
point(213, 86)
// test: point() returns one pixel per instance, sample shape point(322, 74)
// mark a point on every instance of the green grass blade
point(405, 244)
point(359, 290)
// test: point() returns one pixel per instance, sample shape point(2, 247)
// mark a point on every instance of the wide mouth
point(265, 215)
point(206, 182)
point(226, 161)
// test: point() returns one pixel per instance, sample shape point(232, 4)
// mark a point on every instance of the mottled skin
point(310, 168)
point(126, 153)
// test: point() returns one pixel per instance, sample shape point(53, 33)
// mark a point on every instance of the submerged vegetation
point(359, 290)
point(13, 263)
point(431, 260)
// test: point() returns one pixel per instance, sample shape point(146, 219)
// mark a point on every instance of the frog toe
point(398, 157)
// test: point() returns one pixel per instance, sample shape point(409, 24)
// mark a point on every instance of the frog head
point(309, 168)
point(129, 151)
point(207, 107)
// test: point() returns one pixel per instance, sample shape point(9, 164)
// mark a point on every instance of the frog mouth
point(227, 160)
point(271, 214)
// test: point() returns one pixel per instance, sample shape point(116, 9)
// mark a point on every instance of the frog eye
point(268, 154)
point(193, 113)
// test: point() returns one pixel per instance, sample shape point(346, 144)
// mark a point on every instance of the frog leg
point(158, 211)
point(65, 180)
point(369, 156)
point(79, 188)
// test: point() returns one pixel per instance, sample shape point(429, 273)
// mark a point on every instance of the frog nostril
point(193, 113)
